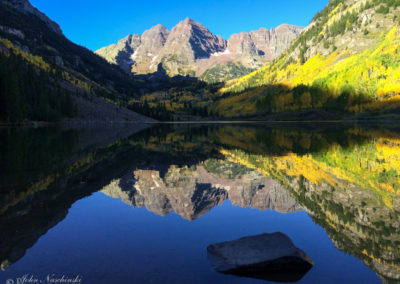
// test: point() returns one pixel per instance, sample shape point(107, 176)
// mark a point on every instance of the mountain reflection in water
point(345, 177)
point(193, 191)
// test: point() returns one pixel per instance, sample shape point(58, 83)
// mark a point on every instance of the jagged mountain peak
point(131, 36)
point(190, 21)
point(202, 41)
point(262, 29)
point(191, 49)
point(129, 39)
point(159, 28)
point(188, 25)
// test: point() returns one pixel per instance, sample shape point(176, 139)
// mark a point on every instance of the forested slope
point(346, 60)
point(44, 76)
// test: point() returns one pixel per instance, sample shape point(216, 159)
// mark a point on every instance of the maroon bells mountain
point(191, 49)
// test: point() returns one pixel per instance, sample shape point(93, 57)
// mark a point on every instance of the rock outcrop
point(270, 257)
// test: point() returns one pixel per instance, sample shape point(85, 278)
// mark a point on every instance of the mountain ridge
point(191, 49)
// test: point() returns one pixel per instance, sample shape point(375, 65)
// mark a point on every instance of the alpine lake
point(142, 203)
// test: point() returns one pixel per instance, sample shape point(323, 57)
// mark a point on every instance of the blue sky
point(95, 24)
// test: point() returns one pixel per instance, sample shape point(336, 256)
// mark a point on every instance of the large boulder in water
point(271, 257)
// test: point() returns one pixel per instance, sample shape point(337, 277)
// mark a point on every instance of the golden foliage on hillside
point(344, 79)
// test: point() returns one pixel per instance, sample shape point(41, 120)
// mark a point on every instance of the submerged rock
point(271, 257)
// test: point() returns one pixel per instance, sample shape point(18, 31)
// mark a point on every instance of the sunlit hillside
point(347, 59)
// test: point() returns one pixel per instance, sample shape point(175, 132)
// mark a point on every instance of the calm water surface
point(132, 205)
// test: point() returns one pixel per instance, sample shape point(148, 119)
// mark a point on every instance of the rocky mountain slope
point(191, 49)
point(346, 59)
point(250, 50)
point(44, 76)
